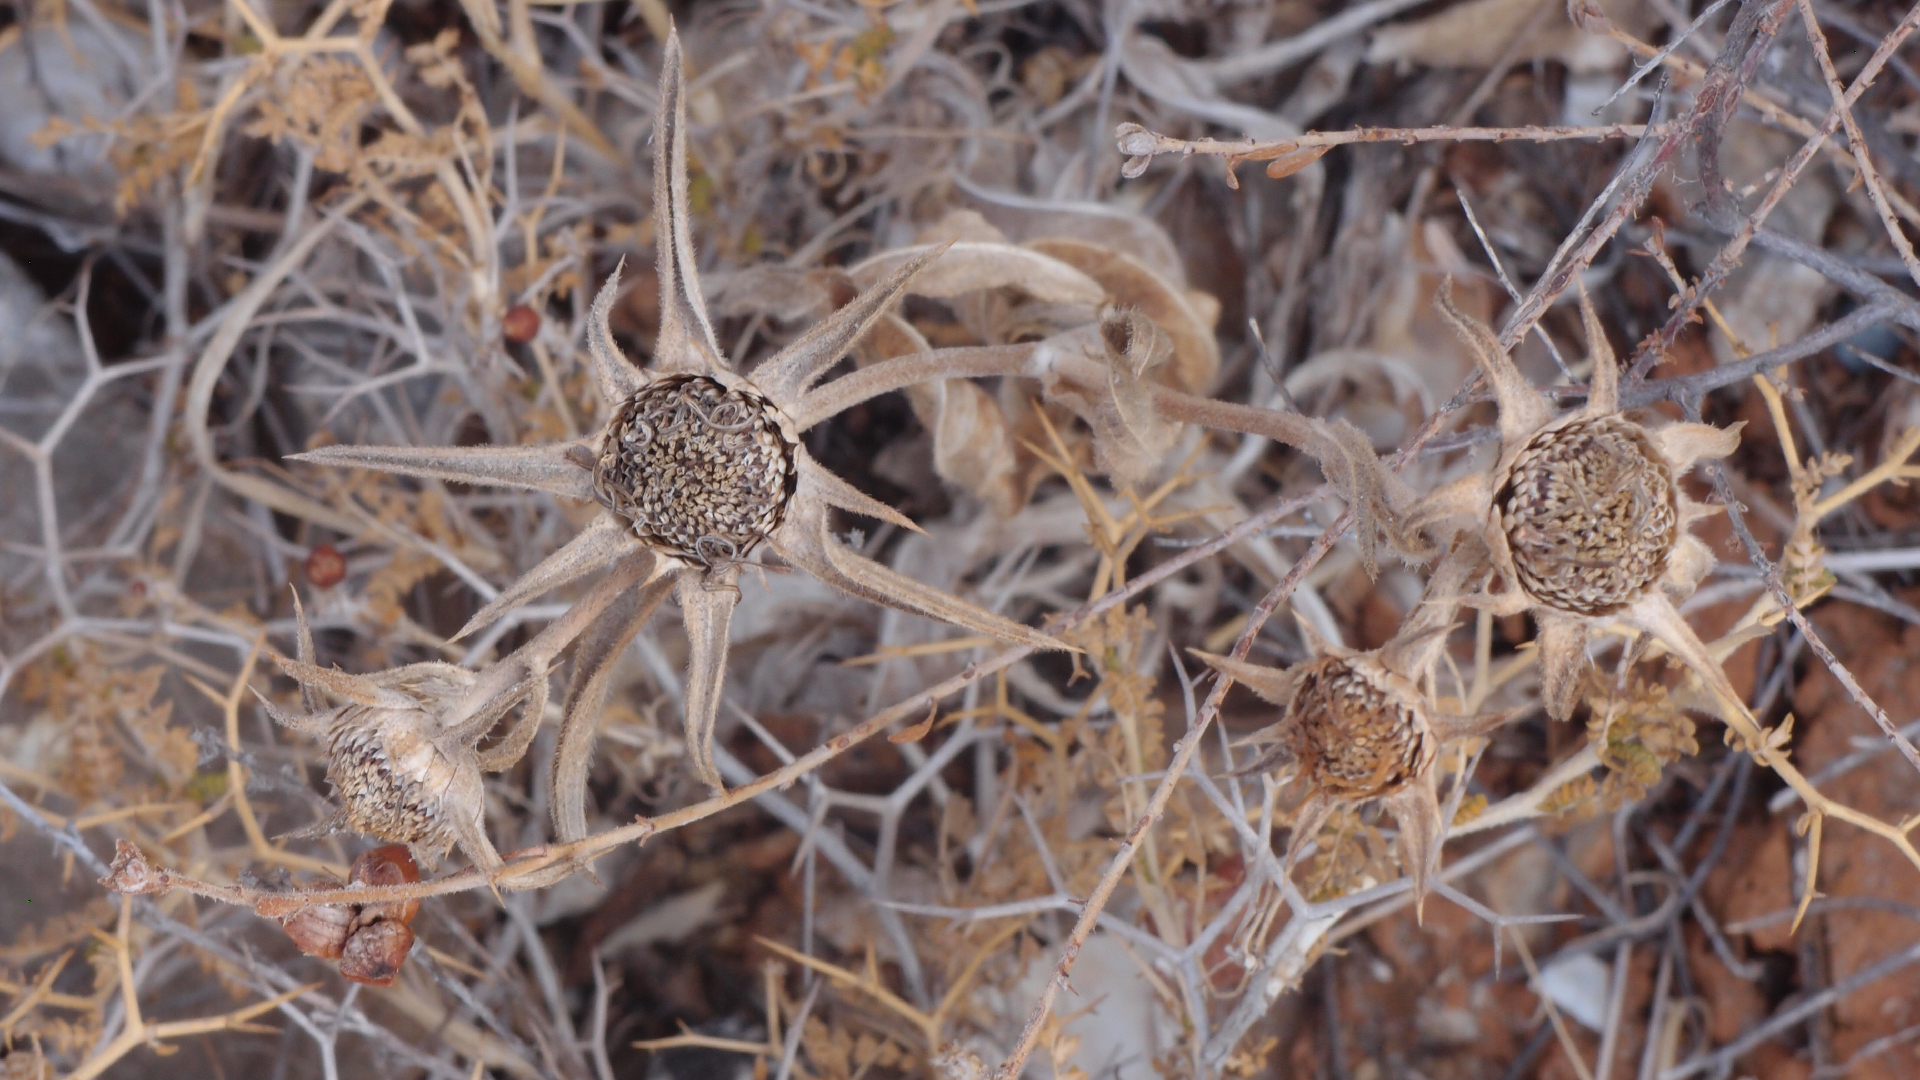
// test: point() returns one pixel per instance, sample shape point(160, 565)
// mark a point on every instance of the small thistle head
point(1353, 734)
point(1355, 730)
point(400, 773)
point(1590, 513)
point(698, 470)
point(393, 777)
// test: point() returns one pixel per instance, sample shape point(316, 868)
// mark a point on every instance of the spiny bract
point(1355, 726)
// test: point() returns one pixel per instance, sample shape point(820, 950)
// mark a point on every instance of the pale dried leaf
point(786, 375)
point(595, 657)
point(1476, 34)
point(686, 341)
point(971, 267)
point(805, 541)
point(1196, 353)
point(601, 542)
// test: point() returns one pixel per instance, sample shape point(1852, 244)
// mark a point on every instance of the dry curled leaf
point(970, 266)
point(1186, 318)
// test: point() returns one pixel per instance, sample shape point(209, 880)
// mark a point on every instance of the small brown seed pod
point(389, 865)
point(520, 324)
point(375, 953)
point(1353, 734)
point(326, 567)
point(320, 930)
point(1591, 513)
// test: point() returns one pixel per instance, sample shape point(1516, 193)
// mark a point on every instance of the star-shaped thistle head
point(699, 467)
point(1356, 726)
point(1582, 513)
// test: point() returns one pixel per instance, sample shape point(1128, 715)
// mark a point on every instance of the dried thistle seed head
point(1352, 734)
point(698, 470)
point(1590, 513)
point(399, 781)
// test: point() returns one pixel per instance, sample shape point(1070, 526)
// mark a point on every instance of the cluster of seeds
point(697, 469)
point(371, 941)
point(391, 777)
point(1352, 735)
point(1590, 515)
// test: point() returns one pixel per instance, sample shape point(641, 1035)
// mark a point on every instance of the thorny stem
point(1876, 190)
point(1183, 752)
point(1137, 142)
point(1658, 343)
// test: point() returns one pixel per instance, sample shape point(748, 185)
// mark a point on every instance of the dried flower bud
point(132, 875)
point(1354, 735)
point(320, 930)
point(956, 1062)
point(520, 324)
point(1134, 140)
point(375, 953)
point(397, 781)
point(326, 567)
point(1590, 514)
point(402, 775)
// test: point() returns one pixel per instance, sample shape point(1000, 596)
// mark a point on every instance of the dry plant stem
point(1122, 860)
point(1567, 1045)
point(540, 866)
point(135, 1030)
point(1893, 467)
point(1657, 344)
point(520, 54)
point(229, 704)
point(1138, 142)
point(1722, 1059)
point(345, 1017)
point(213, 360)
point(1876, 189)
point(1768, 110)
point(1275, 55)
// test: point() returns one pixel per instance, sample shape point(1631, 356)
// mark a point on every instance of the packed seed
point(390, 777)
point(1590, 515)
point(1353, 738)
point(698, 470)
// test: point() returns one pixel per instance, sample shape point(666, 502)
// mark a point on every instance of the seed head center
point(387, 776)
point(1590, 514)
point(698, 470)
point(1353, 737)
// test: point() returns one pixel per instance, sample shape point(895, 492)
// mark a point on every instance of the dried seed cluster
point(1352, 735)
point(392, 778)
point(697, 469)
point(1590, 515)
point(371, 941)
